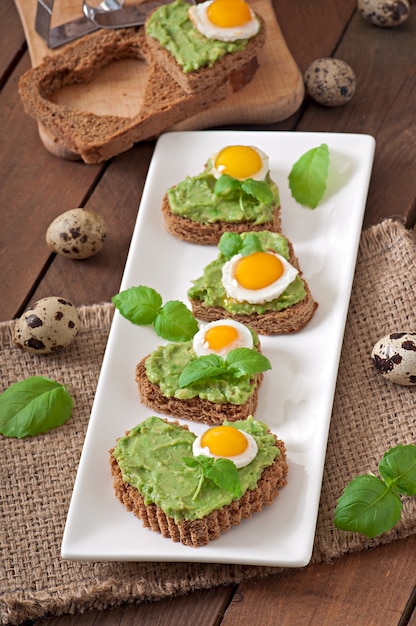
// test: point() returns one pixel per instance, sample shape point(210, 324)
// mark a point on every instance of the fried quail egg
point(240, 162)
point(220, 337)
point(226, 442)
point(258, 277)
point(224, 20)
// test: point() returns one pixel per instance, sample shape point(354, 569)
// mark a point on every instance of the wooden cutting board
point(276, 91)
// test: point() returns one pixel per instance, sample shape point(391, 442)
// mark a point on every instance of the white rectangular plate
point(296, 397)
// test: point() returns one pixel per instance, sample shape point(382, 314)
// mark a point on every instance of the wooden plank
point(116, 198)
point(35, 188)
point(11, 37)
point(201, 608)
point(355, 590)
point(393, 124)
point(313, 29)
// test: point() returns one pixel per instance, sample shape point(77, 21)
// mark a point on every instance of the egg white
point(199, 18)
point(240, 460)
point(256, 296)
point(260, 175)
point(244, 339)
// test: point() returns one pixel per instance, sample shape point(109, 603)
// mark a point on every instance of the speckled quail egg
point(77, 234)
point(384, 13)
point(331, 82)
point(49, 325)
point(394, 356)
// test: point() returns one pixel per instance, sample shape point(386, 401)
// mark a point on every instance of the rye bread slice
point(195, 409)
point(95, 138)
point(191, 231)
point(205, 77)
point(199, 532)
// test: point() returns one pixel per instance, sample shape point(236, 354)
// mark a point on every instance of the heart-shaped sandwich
point(192, 489)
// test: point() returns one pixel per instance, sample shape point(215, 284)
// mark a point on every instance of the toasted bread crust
point(195, 409)
point(199, 532)
point(191, 231)
point(204, 77)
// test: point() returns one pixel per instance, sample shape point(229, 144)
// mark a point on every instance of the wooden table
point(370, 588)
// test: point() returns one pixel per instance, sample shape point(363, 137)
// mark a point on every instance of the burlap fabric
point(369, 416)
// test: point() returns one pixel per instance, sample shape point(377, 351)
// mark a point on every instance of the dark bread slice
point(96, 138)
point(195, 409)
point(205, 77)
point(199, 532)
point(289, 320)
point(191, 231)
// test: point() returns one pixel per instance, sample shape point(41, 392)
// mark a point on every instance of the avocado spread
point(151, 457)
point(165, 364)
point(210, 290)
point(173, 29)
point(194, 198)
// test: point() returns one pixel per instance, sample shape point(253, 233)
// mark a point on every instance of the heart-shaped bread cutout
point(96, 138)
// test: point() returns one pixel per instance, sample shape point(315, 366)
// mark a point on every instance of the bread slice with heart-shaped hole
point(96, 138)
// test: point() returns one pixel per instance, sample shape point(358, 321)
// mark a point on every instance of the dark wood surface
point(369, 588)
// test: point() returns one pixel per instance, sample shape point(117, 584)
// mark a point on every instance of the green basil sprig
point(143, 306)
point(222, 472)
point(237, 363)
point(33, 406)
point(231, 244)
point(259, 189)
point(308, 176)
point(370, 505)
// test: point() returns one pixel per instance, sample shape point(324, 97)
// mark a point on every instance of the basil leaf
point(398, 469)
point(308, 176)
point(190, 461)
point(224, 474)
point(251, 244)
point(139, 305)
point(226, 184)
point(246, 362)
point(230, 244)
point(143, 306)
point(367, 506)
point(175, 322)
point(259, 189)
point(32, 406)
point(208, 366)
point(203, 461)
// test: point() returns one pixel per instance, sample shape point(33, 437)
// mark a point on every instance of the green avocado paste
point(151, 457)
point(209, 288)
point(195, 199)
point(165, 364)
point(172, 28)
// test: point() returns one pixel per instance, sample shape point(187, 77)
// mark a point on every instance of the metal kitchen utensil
point(109, 14)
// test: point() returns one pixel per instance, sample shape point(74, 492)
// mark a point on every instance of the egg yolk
point(258, 270)
point(224, 441)
point(228, 13)
point(221, 336)
point(238, 161)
